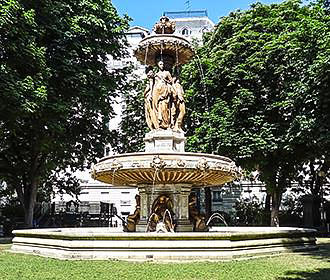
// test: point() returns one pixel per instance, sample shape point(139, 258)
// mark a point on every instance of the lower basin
point(107, 243)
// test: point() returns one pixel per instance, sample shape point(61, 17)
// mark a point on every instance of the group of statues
point(164, 100)
point(161, 218)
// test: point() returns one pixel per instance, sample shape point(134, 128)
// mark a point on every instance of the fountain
point(166, 223)
point(165, 168)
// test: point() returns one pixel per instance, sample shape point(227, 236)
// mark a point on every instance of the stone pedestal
point(164, 141)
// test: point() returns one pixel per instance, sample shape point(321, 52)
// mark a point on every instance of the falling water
point(200, 68)
point(161, 50)
point(146, 55)
point(177, 54)
point(113, 175)
point(215, 216)
point(153, 187)
point(149, 220)
point(154, 178)
point(169, 214)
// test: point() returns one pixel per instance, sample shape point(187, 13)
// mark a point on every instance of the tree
point(55, 90)
point(257, 91)
point(248, 211)
point(128, 137)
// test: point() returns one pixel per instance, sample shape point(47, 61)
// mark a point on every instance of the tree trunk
point(28, 196)
point(267, 209)
point(28, 215)
point(208, 202)
point(276, 202)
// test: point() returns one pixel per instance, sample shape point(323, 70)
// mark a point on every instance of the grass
point(299, 266)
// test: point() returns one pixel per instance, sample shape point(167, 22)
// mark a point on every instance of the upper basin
point(196, 169)
point(153, 45)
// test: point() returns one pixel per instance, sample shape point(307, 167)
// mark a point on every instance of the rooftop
point(186, 14)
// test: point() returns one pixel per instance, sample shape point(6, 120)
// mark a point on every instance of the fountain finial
point(164, 26)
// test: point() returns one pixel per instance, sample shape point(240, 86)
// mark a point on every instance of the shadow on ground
point(5, 240)
point(321, 274)
point(323, 253)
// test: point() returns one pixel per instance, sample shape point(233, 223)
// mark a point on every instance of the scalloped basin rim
point(167, 36)
point(195, 169)
point(211, 156)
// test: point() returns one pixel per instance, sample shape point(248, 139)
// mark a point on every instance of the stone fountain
point(165, 169)
point(166, 219)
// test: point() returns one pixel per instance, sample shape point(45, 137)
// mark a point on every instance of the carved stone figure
point(178, 108)
point(164, 100)
point(133, 220)
point(162, 215)
point(150, 112)
point(162, 95)
point(195, 217)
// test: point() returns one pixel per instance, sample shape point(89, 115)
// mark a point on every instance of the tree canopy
point(257, 90)
point(55, 89)
point(128, 136)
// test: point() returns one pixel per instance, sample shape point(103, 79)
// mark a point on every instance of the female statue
point(164, 102)
point(178, 108)
point(150, 113)
point(162, 95)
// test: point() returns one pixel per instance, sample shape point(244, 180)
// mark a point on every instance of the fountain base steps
point(218, 244)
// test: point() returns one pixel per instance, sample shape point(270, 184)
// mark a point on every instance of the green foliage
point(258, 90)
point(249, 211)
point(55, 90)
point(128, 137)
point(257, 69)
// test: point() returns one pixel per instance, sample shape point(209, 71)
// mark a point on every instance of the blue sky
point(146, 12)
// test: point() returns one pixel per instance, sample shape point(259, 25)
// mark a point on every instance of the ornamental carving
point(136, 164)
point(115, 165)
point(157, 163)
point(202, 164)
point(180, 163)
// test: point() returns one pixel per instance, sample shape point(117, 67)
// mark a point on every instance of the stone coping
point(105, 244)
point(170, 154)
point(222, 233)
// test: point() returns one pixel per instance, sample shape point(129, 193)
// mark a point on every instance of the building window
point(104, 192)
point(186, 32)
point(84, 193)
point(217, 196)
